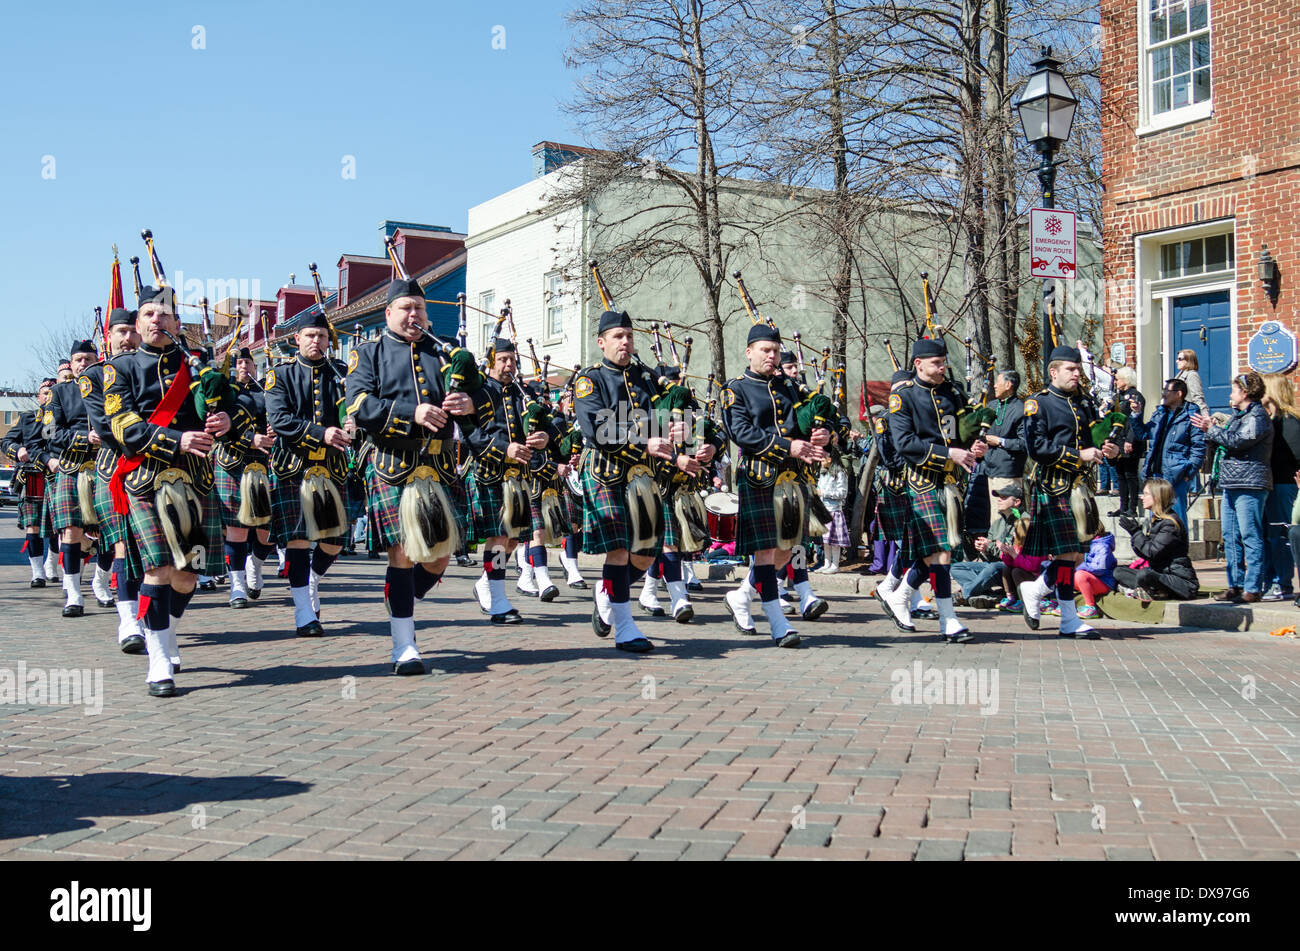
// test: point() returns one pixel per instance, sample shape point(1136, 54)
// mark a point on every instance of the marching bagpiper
point(400, 396)
point(72, 499)
point(114, 537)
point(164, 478)
point(1058, 437)
point(759, 417)
point(25, 444)
point(893, 508)
point(569, 446)
point(622, 510)
point(503, 451)
point(923, 426)
point(304, 403)
point(810, 607)
point(244, 487)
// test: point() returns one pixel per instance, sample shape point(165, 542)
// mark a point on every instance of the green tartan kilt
point(65, 509)
point(112, 527)
point(383, 509)
point(32, 504)
point(755, 518)
point(573, 509)
point(287, 522)
point(927, 524)
point(1052, 530)
point(488, 503)
point(150, 550)
point(606, 525)
point(892, 513)
point(465, 510)
point(47, 512)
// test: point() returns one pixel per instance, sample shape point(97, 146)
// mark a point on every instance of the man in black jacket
point(1004, 463)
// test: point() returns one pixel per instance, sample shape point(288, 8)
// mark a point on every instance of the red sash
point(162, 416)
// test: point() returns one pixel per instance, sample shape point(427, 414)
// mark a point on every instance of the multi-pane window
point(1178, 54)
point(487, 303)
point(554, 306)
point(1197, 256)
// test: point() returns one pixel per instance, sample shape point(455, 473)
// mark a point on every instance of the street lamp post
point(1046, 108)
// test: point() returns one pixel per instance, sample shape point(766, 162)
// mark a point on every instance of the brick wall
point(1241, 163)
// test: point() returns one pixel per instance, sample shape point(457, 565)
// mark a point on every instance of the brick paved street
point(540, 740)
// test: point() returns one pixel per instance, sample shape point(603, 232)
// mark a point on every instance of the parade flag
point(115, 296)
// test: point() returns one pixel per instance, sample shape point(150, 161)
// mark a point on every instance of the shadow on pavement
point(44, 805)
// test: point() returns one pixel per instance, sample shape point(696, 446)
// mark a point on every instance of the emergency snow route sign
point(1051, 243)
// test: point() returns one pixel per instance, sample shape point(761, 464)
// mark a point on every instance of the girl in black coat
point(1163, 543)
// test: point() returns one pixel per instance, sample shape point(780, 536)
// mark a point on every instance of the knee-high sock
point(261, 550)
point(321, 561)
point(35, 546)
point(399, 592)
point(672, 565)
point(179, 602)
point(537, 556)
point(300, 567)
point(123, 583)
point(941, 581)
point(71, 555)
point(571, 546)
point(634, 574)
point(915, 573)
point(236, 555)
point(617, 582)
point(155, 617)
point(423, 580)
point(104, 559)
point(1061, 574)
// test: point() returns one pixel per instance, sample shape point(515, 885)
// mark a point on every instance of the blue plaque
point(1272, 349)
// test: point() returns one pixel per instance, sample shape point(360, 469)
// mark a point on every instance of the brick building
point(1201, 169)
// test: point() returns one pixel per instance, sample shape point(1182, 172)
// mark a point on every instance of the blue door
point(1202, 323)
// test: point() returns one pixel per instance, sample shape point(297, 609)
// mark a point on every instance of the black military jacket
point(613, 410)
point(303, 399)
point(758, 415)
point(1056, 428)
point(29, 433)
point(923, 425)
point(92, 389)
point(387, 379)
point(490, 440)
point(134, 384)
point(71, 435)
point(893, 465)
point(239, 450)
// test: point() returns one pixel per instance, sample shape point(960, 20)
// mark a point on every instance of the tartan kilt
point(383, 509)
point(65, 509)
point(150, 549)
point(47, 512)
point(756, 517)
point(287, 522)
point(606, 525)
point(1052, 530)
point(465, 511)
point(892, 513)
point(927, 524)
point(837, 533)
point(32, 504)
point(488, 503)
point(112, 527)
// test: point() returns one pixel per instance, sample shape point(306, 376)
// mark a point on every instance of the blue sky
point(233, 154)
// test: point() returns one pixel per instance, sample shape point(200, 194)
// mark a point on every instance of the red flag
point(115, 298)
point(863, 413)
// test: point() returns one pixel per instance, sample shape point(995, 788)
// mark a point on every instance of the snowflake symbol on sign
point(1052, 225)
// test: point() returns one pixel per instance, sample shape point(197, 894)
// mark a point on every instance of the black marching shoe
point(550, 594)
point(961, 637)
point(73, 610)
point(653, 612)
point(600, 627)
point(239, 602)
point(465, 561)
point(815, 610)
point(208, 586)
point(579, 584)
point(162, 688)
point(509, 617)
point(638, 645)
point(408, 668)
point(311, 629)
point(38, 582)
point(133, 645)
point(889, 613)
point(254, 593)
point(694, 586)
point(1033, 621)
point(790, 640)
point(684, 614)
point(105, 604)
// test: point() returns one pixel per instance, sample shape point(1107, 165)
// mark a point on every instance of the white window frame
point(486, 301)
point(1147, 121)
point(553, 300)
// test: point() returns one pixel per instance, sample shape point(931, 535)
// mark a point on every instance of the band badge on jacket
point(1031, 407)
point(270, 379)
point(895, 402)
point(110, 375)
point(83, 384)
point(584, 387)
point(353, 359)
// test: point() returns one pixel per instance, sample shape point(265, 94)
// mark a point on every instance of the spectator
point(833, 487)
point(1177, 447)
point(1293, 534)
point(1129, 400)
point(1246, 476)
point(1094, 577)
point(978, 578)
point(1279, 403)
point(1004, 463)
point(1189, 372)
point(1161, 547)
point(1017, 567)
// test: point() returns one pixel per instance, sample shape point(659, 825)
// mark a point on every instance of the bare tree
point(55, 345)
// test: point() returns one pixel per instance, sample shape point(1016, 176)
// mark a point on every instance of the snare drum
point(722, 508)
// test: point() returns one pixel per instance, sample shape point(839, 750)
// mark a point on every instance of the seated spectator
point(1017, 567)
point(979, 579)
point(1164, 569)
point(1094, 577)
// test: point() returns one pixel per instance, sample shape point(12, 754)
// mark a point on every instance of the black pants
point(1157, 583)
point(1130, 486)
